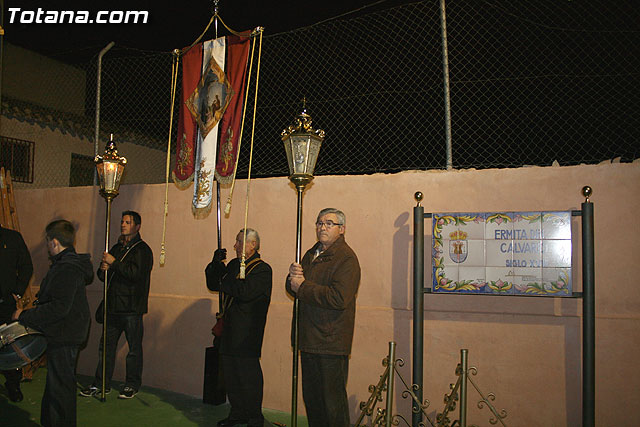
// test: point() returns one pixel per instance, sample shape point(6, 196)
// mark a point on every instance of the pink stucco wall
point(527, 350)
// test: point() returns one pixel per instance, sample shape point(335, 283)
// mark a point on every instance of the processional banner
point(213, 108)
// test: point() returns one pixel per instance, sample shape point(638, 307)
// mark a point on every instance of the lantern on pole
point(110, 168)
point(302, 146)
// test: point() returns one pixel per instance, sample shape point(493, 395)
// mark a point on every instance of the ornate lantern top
point(110, 154)
point(302, 146)
point(110, 167)
point(302, 124)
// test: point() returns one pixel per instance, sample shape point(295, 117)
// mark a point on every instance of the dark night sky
point(544, 78)
point(171, 24)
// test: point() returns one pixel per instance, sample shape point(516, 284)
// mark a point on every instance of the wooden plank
point(12, 202)
point(9, 217)
point(29, 295)
point(4, 217)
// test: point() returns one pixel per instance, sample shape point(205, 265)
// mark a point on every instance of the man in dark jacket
point(15, 272)
point(62, 315)
point(129, 263)
point(245, 315)
point(326, 283)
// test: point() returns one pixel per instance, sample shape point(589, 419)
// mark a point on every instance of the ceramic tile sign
point(504, 253)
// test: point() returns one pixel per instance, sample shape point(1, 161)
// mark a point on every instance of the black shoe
point(230, 422)
point(93, 391)
point(127, 393)
point(15, 395)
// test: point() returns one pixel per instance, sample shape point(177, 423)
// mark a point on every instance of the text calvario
point(41, 16)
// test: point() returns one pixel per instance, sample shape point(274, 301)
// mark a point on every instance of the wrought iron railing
point(456, 398)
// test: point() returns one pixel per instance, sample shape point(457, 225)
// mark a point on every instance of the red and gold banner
point(184, 166)
point(213, 88)
point(236, 70)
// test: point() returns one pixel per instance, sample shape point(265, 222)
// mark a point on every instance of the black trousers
point(324, 388)
point(59, 399)
point(244, 383)
point(12, 377)
point(133, 330)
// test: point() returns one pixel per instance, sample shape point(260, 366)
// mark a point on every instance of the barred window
point(16, 155)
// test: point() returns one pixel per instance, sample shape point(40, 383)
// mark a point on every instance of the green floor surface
point(150, 407)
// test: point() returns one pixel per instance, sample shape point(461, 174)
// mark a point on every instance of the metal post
point(1, 55)
point(219, 215)
point(418, 306)
point(445, 78)
point(98, 84)
point(219, 229)
point(588, 313)
point(104, 307)
point(294, 380)
point(392, 375)
point(464, 367)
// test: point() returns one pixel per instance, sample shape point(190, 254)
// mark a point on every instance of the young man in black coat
point(129, 263)
point(245, 315)
point(15, 272)
point(62, 315)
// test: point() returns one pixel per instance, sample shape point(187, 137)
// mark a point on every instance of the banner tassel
point(174, 82)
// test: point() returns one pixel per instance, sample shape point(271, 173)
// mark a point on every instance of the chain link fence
point(57, 119)
point(531, 83)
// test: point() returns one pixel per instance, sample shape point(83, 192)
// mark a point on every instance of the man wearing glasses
point(326, 283)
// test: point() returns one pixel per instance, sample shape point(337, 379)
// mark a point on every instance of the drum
point(19, 345)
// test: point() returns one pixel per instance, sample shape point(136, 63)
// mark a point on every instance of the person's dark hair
point(63, 231)
point(137, 219)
